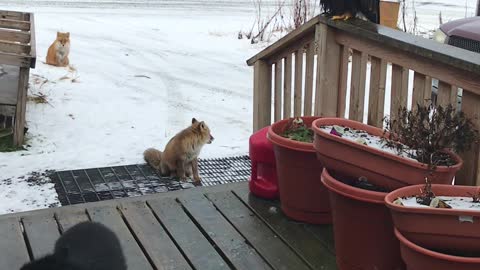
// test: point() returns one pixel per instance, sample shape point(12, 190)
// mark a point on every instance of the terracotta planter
point(379, 167)
point(302, 196)
point(362, 226)
point(440, 229)
point(419, 258)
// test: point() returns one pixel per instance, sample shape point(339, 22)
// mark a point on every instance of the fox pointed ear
point(202, 125)
point(68, 34)
point(194, 121)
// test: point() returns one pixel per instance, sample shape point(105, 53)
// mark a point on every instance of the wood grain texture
point(277, 98)
point(462, 79)
point(343, 79)
point(376, 100)
point(21, 108)
point(470, 174)
point(328, 72)
point(262, 95)
point(267, 243)
point(297, 98)
point(399, 94)
point(189, 238)
point(287, 87)
point(422, 90)
point(447, 94)
point(357, 86)
point(110, 217)
point(42, 232)
point(13, 247)
point(153, 238)
point(309, 66)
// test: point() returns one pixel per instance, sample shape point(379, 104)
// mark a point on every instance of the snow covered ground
point(142, 70)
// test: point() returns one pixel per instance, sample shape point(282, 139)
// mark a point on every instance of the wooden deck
point(221, 227)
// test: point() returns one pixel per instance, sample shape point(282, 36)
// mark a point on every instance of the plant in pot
point(351, 206)
point(436, 223)
point(302, 196)
point(444, 233)
point(385, 157)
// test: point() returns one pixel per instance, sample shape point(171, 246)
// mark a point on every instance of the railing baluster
point(297, 98)
point(447, 94)
point(342, 81)
point(399, 94)
point(422, 90)
point(287, 87)
point(262, 95)
point(278, 91)
point(376, 99)
point(470, 174)
point(357, 86)
point(307, 105)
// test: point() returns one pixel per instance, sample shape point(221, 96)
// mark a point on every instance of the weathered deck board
point(256, 232)
point(153, 237)
point(317, 251)
point(66, 220)
point(42, 232)
point(110, 217)
point(14, 251)
point(188, 237)
point(232, 244)
point(220, 227)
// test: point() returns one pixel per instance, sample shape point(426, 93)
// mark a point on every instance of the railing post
point(18, 134)
point(328, 71)
point(262, 95)
point(469, 174)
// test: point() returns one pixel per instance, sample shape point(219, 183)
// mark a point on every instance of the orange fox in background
point(57, 54)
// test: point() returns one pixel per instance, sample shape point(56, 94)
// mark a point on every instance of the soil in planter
point(360, 182)
point(472, 254)
point(296, 130)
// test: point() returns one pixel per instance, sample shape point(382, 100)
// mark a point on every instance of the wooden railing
point(326, 68)
point(17, 49)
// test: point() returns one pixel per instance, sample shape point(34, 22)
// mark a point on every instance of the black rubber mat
point(98, 184)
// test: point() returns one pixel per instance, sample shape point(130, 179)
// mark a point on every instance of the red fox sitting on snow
point(180, 156)
point(57, 54)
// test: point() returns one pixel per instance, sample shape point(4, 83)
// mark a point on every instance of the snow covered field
point(142, 70)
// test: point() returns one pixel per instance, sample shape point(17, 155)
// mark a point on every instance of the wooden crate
point(389, 13)
point(17, 56)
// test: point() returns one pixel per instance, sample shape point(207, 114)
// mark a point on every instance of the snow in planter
point(457, 203)
point(362, 137)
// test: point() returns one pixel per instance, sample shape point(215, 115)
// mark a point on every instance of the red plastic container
point(436, 228)
point(419, 258)
point(302, 196)
point(263, 182)
point(379, 167)
point(362, 226)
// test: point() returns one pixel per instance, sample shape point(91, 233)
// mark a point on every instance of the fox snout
point(211, 139)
